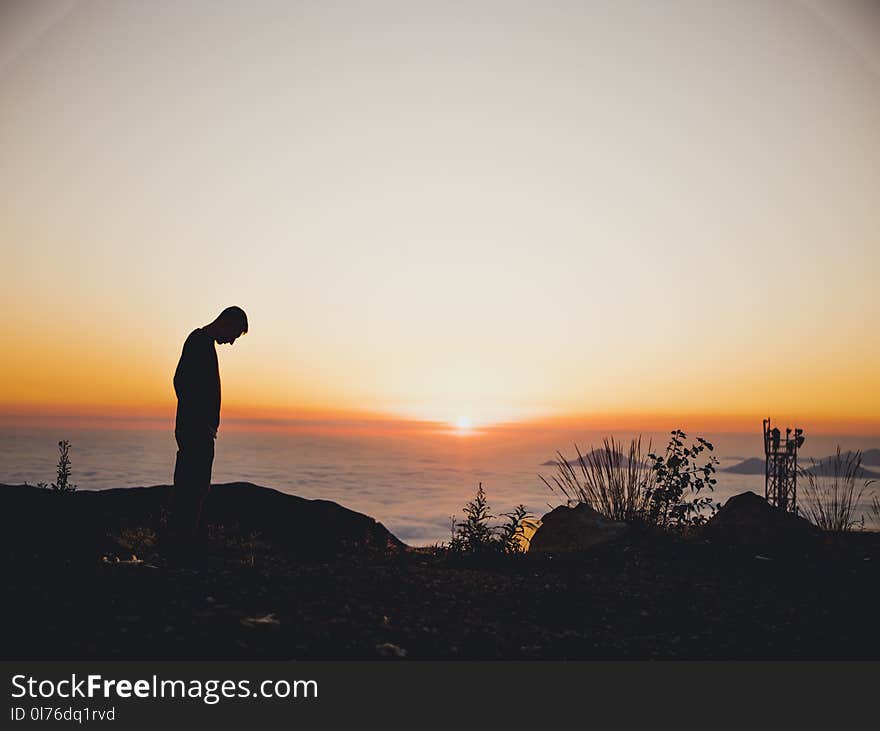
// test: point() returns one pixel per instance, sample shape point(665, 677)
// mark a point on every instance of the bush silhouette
point(477, 535)
point(63, 472)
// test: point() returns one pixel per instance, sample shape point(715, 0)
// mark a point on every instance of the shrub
point(674, 500)
point(140, 540)
point(62, 480)
point(511, 534)
point(831, 494)
point(615, 484)
point(477, 535)
point(239, 544)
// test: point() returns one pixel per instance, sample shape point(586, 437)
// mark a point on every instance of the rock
point(266, 620)
point(387, 649)
point(76, 526)
point(747, 520)
point(566, 529)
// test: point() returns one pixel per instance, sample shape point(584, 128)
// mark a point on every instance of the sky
point(468, 212)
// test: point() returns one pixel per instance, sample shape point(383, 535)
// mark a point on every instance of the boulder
point(578, 528)
point(79, 525)
point(747, 520)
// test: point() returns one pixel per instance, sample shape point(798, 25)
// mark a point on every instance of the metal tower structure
point(780, 467)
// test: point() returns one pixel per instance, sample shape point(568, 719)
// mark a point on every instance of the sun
point(464, 423)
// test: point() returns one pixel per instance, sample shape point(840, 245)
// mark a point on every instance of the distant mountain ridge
point(871, 457)
point(750, 466)
point(595, 453)
point(755, 465)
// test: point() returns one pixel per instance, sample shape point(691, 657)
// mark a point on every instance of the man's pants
point(192, 480)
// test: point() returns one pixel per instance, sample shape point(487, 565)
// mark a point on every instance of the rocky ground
point(364, 595)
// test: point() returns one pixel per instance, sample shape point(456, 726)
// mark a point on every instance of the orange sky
point(501, 213)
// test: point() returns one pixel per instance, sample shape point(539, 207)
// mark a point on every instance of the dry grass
point(249, 548)
point(831, 493)
point(140, 540)
point(615, 483)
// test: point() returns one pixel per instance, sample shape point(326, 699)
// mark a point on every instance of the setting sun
point(464, 424)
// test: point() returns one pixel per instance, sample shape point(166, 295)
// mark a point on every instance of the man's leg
point(203, 486)
point(192, 480)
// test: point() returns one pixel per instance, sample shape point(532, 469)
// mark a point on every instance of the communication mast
point(780, 469)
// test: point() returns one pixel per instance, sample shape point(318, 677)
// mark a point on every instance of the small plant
point(831, 493)
point(251, 547)
point(474, 535)
point(62, 479)
point(247, 547)
point(511, 533)
point(477, 535)
point(140, 540)
point(675, 501)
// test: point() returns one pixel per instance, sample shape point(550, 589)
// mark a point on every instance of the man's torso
point(197, 384)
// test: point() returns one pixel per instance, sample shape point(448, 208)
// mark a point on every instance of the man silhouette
point(197, 385)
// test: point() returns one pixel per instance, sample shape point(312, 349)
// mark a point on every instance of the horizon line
point(337, 420)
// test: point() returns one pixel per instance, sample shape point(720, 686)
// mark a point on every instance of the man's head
point(229, 324)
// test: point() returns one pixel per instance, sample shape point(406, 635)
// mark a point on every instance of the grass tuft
point(616, 484)
point(831, 493)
